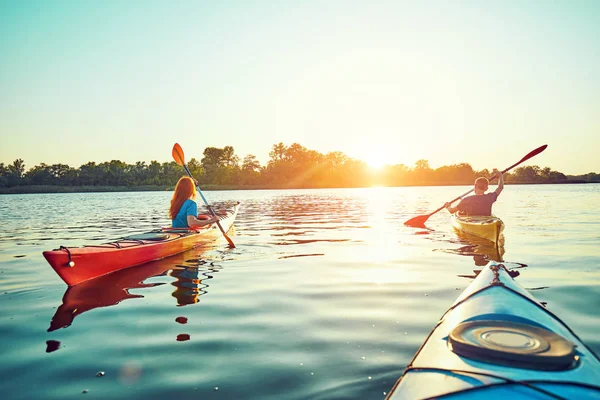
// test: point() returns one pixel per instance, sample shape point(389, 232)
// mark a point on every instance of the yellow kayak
point(485, 227)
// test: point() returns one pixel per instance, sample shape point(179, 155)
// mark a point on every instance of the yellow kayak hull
point(486, 227)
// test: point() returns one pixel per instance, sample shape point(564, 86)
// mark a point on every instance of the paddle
point(419, 221)
point(180, 159)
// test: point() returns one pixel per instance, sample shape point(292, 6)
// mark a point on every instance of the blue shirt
point(189, 207)
point(478, 204)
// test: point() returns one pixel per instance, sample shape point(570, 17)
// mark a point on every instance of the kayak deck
point(79, 264)
point(503, 360)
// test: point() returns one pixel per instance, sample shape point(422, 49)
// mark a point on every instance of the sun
point(374, 160)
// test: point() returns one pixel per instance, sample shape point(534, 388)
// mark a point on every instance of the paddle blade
point(527, 157)
point(534, 153)
point(418, 221)
point(178, 154)
point(231, 245)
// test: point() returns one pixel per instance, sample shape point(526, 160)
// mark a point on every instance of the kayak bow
point(79, 264)
point(496, 341)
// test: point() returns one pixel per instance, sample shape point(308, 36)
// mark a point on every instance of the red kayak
point(79, 264)
point(187, 269)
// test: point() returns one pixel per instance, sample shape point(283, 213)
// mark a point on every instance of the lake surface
point(326, 296)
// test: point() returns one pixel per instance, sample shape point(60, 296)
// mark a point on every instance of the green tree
point(396, 175)
point(251, 170)
point(196, 169)
point(15, 173)
point(63, 174)
point(155, 170)
point(454, 174)
point(3, 175)
point(115, 173)
point(333, 174)
point(278, 152)
point(228, 158)
point(422, 173)
point(221, 166)
point(211, 162)
point(40, 175)
point(527, 174)
point(171, 172)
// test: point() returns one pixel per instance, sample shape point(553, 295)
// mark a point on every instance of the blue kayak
point(497, 342)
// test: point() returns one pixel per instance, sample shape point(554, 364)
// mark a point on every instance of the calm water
point(327, 295)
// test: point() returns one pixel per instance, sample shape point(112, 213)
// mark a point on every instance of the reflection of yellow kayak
point(485, 227)
point(481, 248)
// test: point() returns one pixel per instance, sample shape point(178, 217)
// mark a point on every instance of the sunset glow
point(375, 160)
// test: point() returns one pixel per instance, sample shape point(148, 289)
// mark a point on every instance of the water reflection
point(112, 289)
point(312, 213)
point(52, 345)
point(482, 251)
point(189, 284)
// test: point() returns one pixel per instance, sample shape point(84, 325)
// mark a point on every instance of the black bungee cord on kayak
point(70, 263)
point(530, 385)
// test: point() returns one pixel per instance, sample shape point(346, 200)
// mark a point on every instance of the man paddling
point(481, 202)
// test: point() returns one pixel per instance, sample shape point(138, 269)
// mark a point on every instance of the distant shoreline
point(48, 189)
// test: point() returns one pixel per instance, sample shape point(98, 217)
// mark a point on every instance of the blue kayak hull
point(440, 369)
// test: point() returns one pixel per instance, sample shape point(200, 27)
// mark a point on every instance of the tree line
point(291, 166)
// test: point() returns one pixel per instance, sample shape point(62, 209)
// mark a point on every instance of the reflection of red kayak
point(79, 264)
point(112, 289)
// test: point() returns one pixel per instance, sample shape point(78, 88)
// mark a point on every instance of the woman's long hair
point(185, 189)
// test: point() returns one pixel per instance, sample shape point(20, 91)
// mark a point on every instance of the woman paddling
point(184, 210)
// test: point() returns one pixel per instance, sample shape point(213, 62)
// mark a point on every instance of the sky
point(481, 82)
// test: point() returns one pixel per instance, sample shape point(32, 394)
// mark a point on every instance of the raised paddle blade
point(531, 154)
point(178, 154)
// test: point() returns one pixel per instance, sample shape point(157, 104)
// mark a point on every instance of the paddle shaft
point(210, 208)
